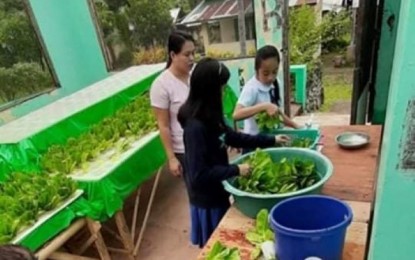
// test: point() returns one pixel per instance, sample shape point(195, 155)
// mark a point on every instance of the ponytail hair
point(276, 95)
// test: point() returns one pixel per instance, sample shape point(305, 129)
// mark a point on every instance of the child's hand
point(244, 169)
point(271, 109)
point(282, 139)
point(297, 126)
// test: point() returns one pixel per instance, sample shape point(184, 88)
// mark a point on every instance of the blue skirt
point(203, 222)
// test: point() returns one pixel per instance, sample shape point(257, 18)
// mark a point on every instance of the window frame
point(27, 9)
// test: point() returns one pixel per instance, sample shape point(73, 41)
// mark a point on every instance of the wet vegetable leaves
point(280, 177)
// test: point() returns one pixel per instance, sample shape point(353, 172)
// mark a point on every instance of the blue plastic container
point(310, 226)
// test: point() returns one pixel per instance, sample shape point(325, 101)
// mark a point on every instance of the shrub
point(151, 55)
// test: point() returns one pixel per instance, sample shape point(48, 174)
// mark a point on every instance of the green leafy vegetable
point(260, 234)
point(266, 122)
point(220, 252)
point(281, 177)
point(301, 142)
point(25, 197)
point(262, 231)
point(114, 132)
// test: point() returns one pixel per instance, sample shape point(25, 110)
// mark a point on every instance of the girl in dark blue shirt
point(206, 138)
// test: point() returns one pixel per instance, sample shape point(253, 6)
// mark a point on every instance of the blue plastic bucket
point(310, 226)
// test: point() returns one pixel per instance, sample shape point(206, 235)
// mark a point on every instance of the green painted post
point(390, 21)
point(393, 232)
point(71, 41)
point(300, 74)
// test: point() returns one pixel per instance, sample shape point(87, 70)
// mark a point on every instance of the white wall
point(227, 28)
point(233, 47)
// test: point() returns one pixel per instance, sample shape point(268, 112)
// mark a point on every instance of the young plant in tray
point(280, 177)
point(115, 132)
point(25, 197)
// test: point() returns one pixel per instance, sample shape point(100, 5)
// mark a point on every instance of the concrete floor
point(167, 233)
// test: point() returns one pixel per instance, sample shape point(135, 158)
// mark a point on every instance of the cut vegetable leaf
point(220, 252)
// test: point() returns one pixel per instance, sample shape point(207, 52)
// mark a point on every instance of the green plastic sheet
point(25, 155)
point(101, 198)
point(49, 229)
point(57, 224)
point(107, 195)
point(229, 103)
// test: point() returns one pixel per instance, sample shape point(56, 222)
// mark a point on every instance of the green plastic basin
point(313, 134)
point(250, 203)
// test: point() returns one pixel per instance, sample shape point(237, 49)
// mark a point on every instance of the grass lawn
point(337, 83)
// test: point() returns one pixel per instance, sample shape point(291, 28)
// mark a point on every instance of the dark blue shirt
point(207, 162)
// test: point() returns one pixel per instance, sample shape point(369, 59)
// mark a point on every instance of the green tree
point(22, 79)
point(336, 31)
point(106, 17)
point(107, 22)
point(185, 5)
point(22, 68)
point(304, 36)
point(18, 42)
point(115, 5)
point(11, 5)
point(151, 21)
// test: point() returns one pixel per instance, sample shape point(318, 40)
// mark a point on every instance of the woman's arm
point(160, 101)
point(163, 122)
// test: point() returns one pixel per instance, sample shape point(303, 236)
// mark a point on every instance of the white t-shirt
point(168, 92)
point(253, 93)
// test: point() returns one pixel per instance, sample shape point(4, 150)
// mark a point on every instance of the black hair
point(205, 97)
point(264, 53)
point(15, 252)
point(175, 43)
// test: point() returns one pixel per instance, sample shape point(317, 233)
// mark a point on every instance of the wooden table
point(355, 172)
point(353, 181)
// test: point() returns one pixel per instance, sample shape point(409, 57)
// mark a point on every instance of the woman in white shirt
point(168, 92)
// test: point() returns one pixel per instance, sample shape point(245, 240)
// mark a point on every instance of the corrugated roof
point(216, 9)
point(211, 10)
point(174, 13)
point(235, 9)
